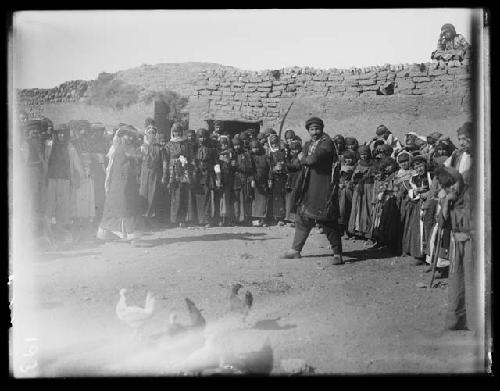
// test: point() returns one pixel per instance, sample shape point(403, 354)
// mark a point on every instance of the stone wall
point(420, 97)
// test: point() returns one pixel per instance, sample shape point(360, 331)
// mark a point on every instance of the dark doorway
point(161, 113)
point(232, 127)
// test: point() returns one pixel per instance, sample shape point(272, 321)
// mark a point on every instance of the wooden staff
point(435, 256)
point(283, 120)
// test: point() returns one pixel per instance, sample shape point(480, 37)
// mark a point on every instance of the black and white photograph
point(249, 192)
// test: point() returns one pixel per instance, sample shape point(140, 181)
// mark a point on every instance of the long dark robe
point(361, 211)
point(389, 228)
point(204, 181)
point(293, 168)
point(261, 191)
point(150, 179)
point(278, 189)
point(122, 204)
point(192, 209)
point(226, 190)
point(242, 190)
point(345, 195)
point(413, 230)
point(316, 198)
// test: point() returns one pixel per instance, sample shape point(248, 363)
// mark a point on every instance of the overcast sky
point(51, 47)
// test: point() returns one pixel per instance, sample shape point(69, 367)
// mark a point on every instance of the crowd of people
point(410, 198)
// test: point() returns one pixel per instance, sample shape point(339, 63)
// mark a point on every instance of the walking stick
point(437, 249)
point(282, 122)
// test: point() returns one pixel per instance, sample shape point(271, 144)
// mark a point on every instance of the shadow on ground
point(207, 238)
point(366, 255)
point(272, 324)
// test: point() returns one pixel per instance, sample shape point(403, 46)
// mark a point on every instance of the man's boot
point(291, 254)
point(337, 260)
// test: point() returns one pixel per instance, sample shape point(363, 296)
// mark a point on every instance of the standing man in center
point(316, 199)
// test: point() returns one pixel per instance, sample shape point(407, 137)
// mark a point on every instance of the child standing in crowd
point(242, 189)
point(204, 178)
point(226, 162)
point(402, 181)
point(346, 188)
point(179, 175)
point(260, 184)
point(293, 169)
point(360, 218)
point(414, 230)
point(277, 180)
point(387, 223)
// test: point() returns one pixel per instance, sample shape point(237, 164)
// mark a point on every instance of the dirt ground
point(367, 316)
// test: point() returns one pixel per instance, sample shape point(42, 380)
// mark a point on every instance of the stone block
point(445, 77)
point(463, 76)
point(403, 73)
point(403, 91)
point(338, 88)
point(274, 94)
point(457, 71)
point(368, 93)
point(263, 94)
point(404, 84)
point(437, 72)
point(367, 82)
point(374, 87)
point(354, 89)
point(266, 84)
point(420, 79)
point(335, 78)
point(369, 75)
point(250, 88)
point(264, 89)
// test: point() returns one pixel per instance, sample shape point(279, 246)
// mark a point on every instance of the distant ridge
point(179, 77)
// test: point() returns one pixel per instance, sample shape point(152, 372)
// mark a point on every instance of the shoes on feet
point(337, 260)
point(291, 254)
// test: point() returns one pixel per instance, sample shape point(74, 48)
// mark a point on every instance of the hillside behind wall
point(422, 98)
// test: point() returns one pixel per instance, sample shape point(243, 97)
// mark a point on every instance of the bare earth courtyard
point(367, 316)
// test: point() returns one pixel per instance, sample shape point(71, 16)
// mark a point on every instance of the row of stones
point(71, 91)
point(259, 76)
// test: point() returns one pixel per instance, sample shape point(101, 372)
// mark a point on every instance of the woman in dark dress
point(260, 183)
point(360, 218)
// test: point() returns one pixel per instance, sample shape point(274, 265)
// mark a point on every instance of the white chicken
point(135, 316)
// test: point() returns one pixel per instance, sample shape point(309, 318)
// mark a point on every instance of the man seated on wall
point(451, 46)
